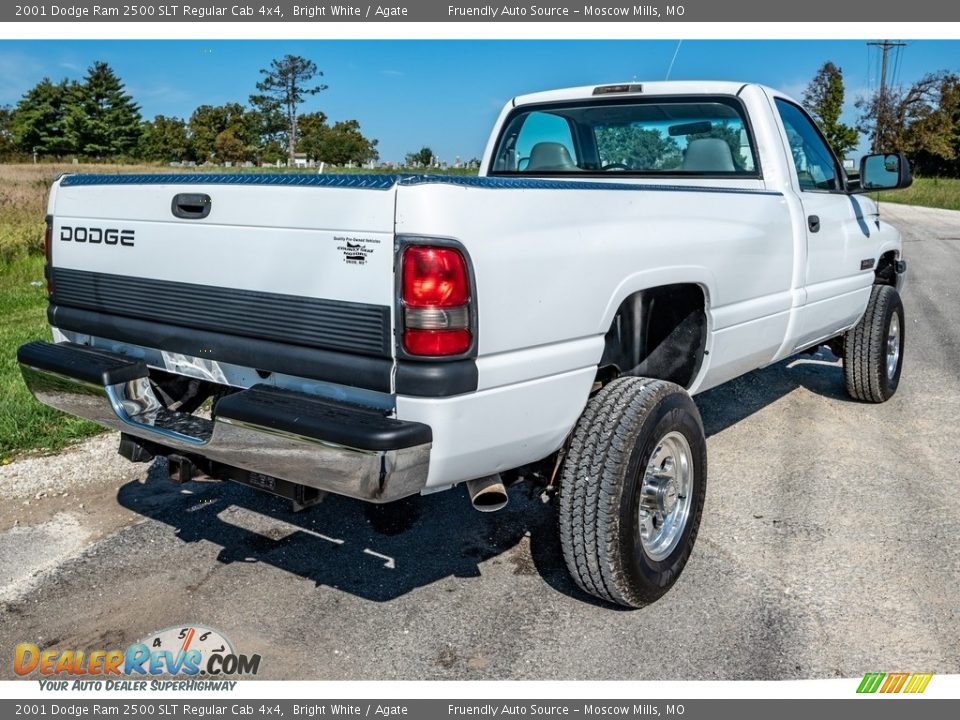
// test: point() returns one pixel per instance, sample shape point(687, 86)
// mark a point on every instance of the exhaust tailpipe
point(487, 494)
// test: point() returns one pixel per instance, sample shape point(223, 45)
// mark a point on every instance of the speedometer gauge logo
point(198, 641)
point(191, 650)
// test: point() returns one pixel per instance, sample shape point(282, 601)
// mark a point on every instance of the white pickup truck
point(623, 248)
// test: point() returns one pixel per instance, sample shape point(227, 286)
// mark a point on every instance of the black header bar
point(287, 11)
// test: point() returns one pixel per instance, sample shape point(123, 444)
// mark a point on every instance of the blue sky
point(445, 94)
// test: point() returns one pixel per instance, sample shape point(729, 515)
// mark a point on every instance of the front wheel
point(632, 490)
point(873, 348)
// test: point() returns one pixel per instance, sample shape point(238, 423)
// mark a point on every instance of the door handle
point(191, 206)
point(813, 222)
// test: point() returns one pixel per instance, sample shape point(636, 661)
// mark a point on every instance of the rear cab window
point(676, 136)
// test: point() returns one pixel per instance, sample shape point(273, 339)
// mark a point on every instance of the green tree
point(272, 151)
point(164, 138)
point(265, 131)
point(346, 144)
point(7, 146)
point(230, 147)
point(101, 118)
point(823, 98)
point(311, 129)
point(208, 122)
point(38, 121)
point(338, 145)
point(932, 139)
point(421, 158)
point(903, 119)
point(285, 86)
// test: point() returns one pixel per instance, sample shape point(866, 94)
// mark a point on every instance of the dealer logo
point(356, 250)
point(193, 651)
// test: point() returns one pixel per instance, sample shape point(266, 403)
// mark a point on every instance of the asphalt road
point(830, 546)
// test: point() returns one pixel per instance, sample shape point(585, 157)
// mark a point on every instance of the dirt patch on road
point(80, 483)
point(52, 507)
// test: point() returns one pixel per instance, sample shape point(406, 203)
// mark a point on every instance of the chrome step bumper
point(297, 437)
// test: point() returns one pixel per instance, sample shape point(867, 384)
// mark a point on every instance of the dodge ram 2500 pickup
point(623, 248)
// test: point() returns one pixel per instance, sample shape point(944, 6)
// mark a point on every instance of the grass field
point(23, 202)
point(26, 424)
point(928, 192)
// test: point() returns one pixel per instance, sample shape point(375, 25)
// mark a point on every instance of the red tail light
point(435, 291)
point(434, 277)
point(436, 342)
point(48, 254)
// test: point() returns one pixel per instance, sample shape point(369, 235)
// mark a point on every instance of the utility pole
point(885, 46)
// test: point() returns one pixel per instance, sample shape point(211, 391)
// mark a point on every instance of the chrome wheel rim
point(893, 346)
point(665, 496)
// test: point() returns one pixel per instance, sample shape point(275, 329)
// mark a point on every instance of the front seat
point(550, 156)
point(708, 155)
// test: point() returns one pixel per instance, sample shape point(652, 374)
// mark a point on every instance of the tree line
point(921, 119)
point(97, 119)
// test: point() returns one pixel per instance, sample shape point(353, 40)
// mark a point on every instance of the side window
point(542, 142)
point(545, 141)
point(815, 165)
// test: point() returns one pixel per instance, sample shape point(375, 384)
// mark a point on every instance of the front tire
point(632, 490)
point(873, 349)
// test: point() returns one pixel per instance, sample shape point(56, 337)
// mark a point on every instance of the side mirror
point(884, 171)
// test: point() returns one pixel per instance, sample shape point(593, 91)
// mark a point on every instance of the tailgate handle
point(191, 206)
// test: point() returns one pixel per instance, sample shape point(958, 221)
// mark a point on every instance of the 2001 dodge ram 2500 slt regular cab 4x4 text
point(624, 247)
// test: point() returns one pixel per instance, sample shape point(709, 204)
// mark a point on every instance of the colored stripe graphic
point(922, 682)
point(913, 683)
point(893, 682)
point(871, 682)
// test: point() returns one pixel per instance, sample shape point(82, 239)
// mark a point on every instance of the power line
point(885, 47)
point(897, 59)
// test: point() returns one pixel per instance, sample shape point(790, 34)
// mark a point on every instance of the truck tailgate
point(297, 260)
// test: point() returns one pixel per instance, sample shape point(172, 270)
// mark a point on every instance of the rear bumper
point(330, 446)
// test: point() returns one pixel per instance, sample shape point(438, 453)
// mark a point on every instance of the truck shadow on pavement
point(381, 553)
point(737, 400)
point(375, 552)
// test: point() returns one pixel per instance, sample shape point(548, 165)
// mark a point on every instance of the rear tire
point(632, 490)
point(873, 349)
